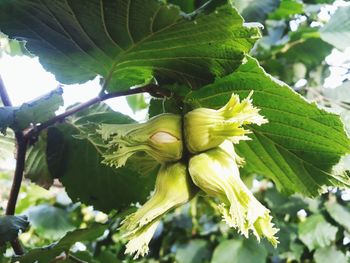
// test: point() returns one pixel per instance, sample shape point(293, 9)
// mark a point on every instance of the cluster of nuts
point(213, 167)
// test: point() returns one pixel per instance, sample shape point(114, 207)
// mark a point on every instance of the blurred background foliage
point(304, 44)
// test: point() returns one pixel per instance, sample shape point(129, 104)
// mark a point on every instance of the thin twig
point(34, 131)
point(21, 144)
point(3, 94)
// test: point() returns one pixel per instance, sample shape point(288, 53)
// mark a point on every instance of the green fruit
point(173, 188)
point(216, 172)
point(207, 128)
point(160, 137)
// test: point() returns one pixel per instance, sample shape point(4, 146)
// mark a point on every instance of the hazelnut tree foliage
point(212, 69)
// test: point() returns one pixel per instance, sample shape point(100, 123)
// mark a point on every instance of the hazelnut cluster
point(213, 167)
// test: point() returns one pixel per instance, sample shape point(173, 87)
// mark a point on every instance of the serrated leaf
point(36, 167)
point(316, 232)
point(299, 146)
point(287, 9)
point(39, 110)
point(195, 251)
point(329, 254)
point(238, 251)
point(337, 30)
point(128, 42)
point(36, 111)
point(341, 214)
point(12, 47)
point(49, 222)
point(10, 227)
point(47, 254)
point(75, 155)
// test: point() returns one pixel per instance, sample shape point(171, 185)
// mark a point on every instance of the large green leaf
point(74, 156)
point(301, 143)
point(238, 251)
point(337, 30)
point(128, 42)
point(316, 232)
point(48, 254)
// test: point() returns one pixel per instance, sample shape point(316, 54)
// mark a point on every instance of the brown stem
point(34, 131)
point(21, 144)
point(17, 179)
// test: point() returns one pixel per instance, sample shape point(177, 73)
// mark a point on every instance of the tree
point(187, 55)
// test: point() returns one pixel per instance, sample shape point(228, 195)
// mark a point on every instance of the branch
point(22, 138)
point(21, 144)
point(153, 89)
